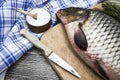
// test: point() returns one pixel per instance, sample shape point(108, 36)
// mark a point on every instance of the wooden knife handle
point(36, 42)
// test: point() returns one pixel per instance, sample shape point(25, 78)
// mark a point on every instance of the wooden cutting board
point(57, 40)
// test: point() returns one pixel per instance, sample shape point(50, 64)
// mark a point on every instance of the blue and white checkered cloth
point(12, 44)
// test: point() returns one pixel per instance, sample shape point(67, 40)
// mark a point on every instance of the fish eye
point(80, 12)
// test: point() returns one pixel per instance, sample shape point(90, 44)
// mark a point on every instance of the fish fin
point(80, 38)
point(101, 70)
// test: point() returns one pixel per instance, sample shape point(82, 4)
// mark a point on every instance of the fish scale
point(109, 37)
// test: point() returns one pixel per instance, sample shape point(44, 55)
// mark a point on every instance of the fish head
point(71, 14)
point(79, 15)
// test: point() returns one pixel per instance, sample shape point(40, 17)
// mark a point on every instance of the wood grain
point(31, 66)
point(56, 39)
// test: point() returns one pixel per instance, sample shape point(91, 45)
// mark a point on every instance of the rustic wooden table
point(31, 66)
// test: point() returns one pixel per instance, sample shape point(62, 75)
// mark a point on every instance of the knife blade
point(49, 53)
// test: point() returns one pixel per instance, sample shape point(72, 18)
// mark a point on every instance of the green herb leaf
point(112, 10)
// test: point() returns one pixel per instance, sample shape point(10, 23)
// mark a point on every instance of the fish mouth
point(59, 14)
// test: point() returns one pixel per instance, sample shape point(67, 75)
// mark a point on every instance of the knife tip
point(76, 74)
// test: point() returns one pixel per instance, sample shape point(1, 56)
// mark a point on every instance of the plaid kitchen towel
point(12, 44)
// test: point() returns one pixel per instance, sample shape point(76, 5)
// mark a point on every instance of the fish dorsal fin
point(80, 38)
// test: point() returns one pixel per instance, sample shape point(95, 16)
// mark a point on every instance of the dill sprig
point(112, 10)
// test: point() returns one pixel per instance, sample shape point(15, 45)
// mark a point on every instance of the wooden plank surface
point(56, 39)
point(31, 66)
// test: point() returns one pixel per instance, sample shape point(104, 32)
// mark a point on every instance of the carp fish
point(95, 36)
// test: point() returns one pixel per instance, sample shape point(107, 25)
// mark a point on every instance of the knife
point(49, 53)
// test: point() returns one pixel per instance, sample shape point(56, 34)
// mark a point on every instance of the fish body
point(95, 37)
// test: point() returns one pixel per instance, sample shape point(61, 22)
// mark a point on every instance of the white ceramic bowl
point(42, 22)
